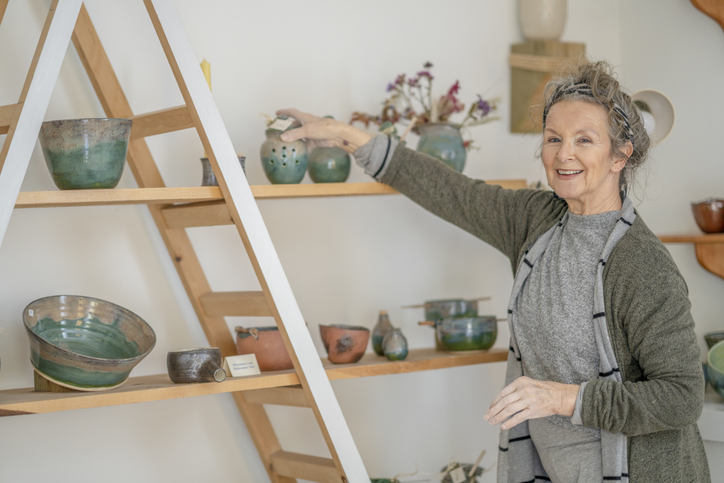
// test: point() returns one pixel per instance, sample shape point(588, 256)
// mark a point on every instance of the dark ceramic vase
point(329, 165)
point(195, 365)
point(283, 163)
point(444, 142)
point(395, 345)
point(208, 177)
point(379, 332)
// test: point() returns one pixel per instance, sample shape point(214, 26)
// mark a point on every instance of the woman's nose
point(567, 151)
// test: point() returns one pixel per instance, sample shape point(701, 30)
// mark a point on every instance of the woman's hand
point(527, 398)
point(322, 131)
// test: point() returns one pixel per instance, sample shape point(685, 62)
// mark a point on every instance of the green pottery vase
point(329, 165)
point(395, 345)
point(380, 331)
point(444, 142)
point(284, 163)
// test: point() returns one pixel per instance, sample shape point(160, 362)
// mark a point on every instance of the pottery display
point(195, 365)
point(467, 333)
point(542, 19)
point(715, 367)
point(328, 165)
point(712, 338)
point(268, 346)
point(85, 343)
point(208, 178)
point(395, 345)
point(444, 142)
point(709, 215)
point(344, 343)
point(85, 153)
point(380, 331)
point(284, 163)
point(436, 310)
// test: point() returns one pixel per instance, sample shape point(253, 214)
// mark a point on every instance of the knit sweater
point(647, 312)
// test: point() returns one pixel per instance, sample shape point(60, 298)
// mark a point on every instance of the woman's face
point(578, 159)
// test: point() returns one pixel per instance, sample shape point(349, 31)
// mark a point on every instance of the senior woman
point(604, 380)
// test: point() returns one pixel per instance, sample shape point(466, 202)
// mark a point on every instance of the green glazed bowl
point(85, 153)
point(467, 333)
point(84, 343)
point(715, 367)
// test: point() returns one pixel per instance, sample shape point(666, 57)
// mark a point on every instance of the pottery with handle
point(268, 346)
point(195, 365)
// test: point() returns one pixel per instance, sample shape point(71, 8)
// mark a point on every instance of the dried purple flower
point(391, 87)
point(483, 106)
point(428, 65)
point(413, 81)
point(425, 73)
point(400, 79)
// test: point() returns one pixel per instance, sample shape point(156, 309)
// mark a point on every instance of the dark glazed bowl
point(267, 345)
point(195, 365)
point(467, 333)
point(85, 343)
point(344, 343)
point(712, 338)
point(709, 215)
point(85, 153)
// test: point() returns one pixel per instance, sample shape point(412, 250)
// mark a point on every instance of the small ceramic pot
point(328, 165)
point(379, 332)
point(85, 153)
point(268, 346)
point(467, 333)
point(395, 345)
point(284, 163)
point(436, 310)
point(443, 141)
point(715, 367)
point(712, 338)
point(344, 343)
point(208, 178)
point(709, 215)
point(195, 365)
point(542, 19)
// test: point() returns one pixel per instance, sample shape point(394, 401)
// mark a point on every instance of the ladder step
point(212, 213)
point(280, 396)
point(160, 122)
point(6, 117)
point(305, 467)
point(240, 304)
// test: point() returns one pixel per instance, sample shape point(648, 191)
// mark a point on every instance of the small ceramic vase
point(208, 177)
point(329, 165)
point(284, 163)
point(542, 19)
point(444, 142)
point(195, 365)
point(395, 345)
point(380, 331)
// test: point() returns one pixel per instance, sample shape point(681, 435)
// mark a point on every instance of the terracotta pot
point(709, 215)
point(267, 344)
point(344, 343)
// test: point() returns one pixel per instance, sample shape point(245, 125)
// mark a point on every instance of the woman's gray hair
point(595, 82)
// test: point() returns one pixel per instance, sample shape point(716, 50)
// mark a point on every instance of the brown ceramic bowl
point(709, 215)
point(267, 344)
point(344, 343)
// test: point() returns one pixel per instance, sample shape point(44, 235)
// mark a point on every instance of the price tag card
point(240, 366)
point(458, 475)
point(280, 124)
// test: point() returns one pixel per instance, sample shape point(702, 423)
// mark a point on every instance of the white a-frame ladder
point(68, 19)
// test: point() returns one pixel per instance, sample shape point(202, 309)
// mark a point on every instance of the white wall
point(345, 258)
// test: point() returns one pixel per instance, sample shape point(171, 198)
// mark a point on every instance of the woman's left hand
point(527, 398)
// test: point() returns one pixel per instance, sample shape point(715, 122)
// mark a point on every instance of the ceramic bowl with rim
point(85, 153)
point(715, 367)
point(266, 344)
point(709, 215)
point(467, 333)
point(85, 343)
point(711, 338)
point(344, 343)
point(195, 365)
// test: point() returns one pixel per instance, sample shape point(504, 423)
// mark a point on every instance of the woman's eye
point(553, 140)
point(584, 140)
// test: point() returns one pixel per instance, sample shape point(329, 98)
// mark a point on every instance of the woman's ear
point(620, 162)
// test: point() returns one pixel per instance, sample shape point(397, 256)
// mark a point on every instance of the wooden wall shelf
point(159, 387)
point(709, 249)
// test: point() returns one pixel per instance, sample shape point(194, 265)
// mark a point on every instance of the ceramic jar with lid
point(329, 165)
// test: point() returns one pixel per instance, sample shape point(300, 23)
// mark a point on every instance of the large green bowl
point(85, 153)
point(85, 343)
point(467, 333)
point(715, 367)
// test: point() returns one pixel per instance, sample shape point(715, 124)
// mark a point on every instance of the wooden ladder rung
point(279, 396)
point(6, 117)
point(305, 467)
point(212, 213)
point(240, 304)
point(160, 122)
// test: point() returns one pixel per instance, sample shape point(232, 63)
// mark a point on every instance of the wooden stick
point(409, 128)
point(475, 465)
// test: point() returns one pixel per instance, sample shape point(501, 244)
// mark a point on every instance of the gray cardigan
point(647, 310)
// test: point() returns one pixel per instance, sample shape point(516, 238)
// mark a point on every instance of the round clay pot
point(328, 165)
point(283, 163)
point(195, 365)
point(267, 344)
point(709, 215)
point(444, 142)
point(344, 343)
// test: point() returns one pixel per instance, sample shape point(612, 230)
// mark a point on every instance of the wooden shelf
point(159, 387)
point(709, 249)
point(167, 196)
point(696, 238)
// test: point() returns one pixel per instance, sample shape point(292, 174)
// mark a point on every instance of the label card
point(458, 475)
point(240, 366)
point(281, 124)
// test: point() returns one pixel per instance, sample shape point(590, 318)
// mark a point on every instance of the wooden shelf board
point(131, 196)
point(159, 387)
point(693, 238)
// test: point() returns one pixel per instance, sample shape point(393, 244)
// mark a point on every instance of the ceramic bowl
point(709, 215)
point(715, 367)
point(438, 309)
point(267, 345)
point(467, 333)
point(85, 343)
point(195, 365)
point(85, 153)
point(328, 165)
point(344, 343)
point(712, 338)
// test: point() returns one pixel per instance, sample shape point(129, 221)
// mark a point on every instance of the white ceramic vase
point(542, 19)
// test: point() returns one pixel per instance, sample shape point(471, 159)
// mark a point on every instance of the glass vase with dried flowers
point(411, 101)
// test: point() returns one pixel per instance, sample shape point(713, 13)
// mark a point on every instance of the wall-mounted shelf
point(159, 387)
point(709, 249)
